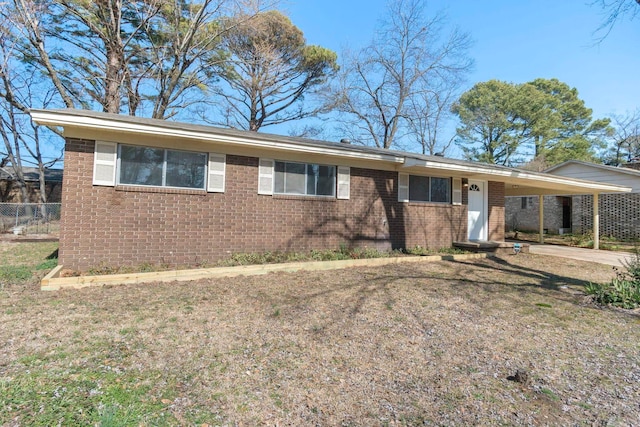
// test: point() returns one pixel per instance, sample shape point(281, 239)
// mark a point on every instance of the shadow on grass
point(53, 255)
point(479, 282)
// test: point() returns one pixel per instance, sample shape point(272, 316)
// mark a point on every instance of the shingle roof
point(266, 137)
point(31, 174)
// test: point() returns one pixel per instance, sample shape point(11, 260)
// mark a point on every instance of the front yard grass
point(408, 344)
point(22, 261)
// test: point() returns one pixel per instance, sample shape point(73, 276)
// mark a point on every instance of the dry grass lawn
point(413, 344)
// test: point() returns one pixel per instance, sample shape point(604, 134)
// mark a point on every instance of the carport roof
point(517, 182)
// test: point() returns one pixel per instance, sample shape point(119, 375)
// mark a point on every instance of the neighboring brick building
point(619, 213)
point(10, 193)
point(521, 213)
point(152, 191)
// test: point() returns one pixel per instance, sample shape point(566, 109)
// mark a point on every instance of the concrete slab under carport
point(612, 258)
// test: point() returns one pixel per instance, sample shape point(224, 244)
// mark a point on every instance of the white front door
point(477, 224)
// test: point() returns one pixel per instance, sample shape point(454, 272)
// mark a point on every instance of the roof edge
point(119, 123)
point(627, 171)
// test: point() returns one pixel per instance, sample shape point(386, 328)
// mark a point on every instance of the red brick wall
point(496, 211)
point(129, 226)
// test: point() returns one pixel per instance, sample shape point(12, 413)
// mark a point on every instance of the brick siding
point(132, 225)
point(619, 215)
point(496, 211)
point(526, 219)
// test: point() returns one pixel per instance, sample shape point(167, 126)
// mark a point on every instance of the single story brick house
point(142, 190)
point(619, 213)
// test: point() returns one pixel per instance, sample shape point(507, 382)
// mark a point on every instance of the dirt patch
point(410, 344)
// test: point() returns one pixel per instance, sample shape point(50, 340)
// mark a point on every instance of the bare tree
point(132, 56)
point(119, 56)
point(429, 112)
point(410, 68)
point(625, 145)
point(18, 89)
point(614, 11)
point(82, 47)
point(19, 134)
point(185, 55)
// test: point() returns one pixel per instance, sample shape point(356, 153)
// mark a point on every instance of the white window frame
point(404, 193)
point(104, 148)
point(164, 168)
point(306, 177)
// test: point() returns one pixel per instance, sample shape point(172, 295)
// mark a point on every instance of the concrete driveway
point(602, 257)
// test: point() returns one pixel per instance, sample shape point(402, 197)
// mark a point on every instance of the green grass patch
point(550, 394)
point(544, 305)
point(13, 273)
point(19, 261)
point(46, 398)
point(48, 264)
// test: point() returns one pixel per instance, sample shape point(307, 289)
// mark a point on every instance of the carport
point(543, 185)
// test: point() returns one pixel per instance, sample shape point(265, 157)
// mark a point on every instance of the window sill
point(163, 190)
point(305, 197)
point(439, 204)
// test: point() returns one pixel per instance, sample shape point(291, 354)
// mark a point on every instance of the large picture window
point(161, 168)
point(429, 189)
point(304, 179)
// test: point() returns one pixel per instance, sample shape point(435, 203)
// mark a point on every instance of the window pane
point(279, 178)
point(185, 169)
point(303, 178)
point(419, 188)
point(326, 185)
point(141, 165)
point(312, 179)
point(441, 190)
point(294, 178)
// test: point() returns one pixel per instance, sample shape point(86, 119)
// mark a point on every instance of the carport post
point(596, 222)
point(541, 217)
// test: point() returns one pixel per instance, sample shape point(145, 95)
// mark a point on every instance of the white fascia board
point(67, 120)
point(529, 179)
point(612, 169)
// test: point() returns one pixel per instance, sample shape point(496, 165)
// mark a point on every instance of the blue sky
point(515, 41)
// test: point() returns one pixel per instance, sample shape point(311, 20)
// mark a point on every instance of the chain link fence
point(29, 218)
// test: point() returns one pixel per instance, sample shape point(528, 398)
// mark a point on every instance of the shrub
point(624, 290)
point(419, 250)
